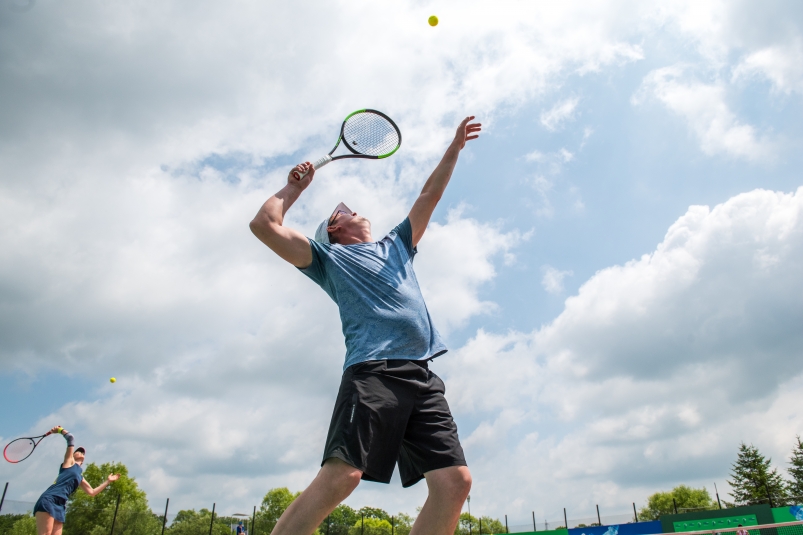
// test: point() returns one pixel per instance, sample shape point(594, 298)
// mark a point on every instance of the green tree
point(191, 522)
point(795, 488)
point(467, 524)
point(374, 512)
point(686, 498)
point(6, 521)
point(371, 526)
point(489, 525)
point(275, 502)
point(753, 478)
point(23, 526)
point(402, 524)
point(86, 514)
point(340, 521)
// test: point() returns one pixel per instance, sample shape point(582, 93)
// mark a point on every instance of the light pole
point(468, 499)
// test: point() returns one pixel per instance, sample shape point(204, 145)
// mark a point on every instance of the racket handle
point(317, 164)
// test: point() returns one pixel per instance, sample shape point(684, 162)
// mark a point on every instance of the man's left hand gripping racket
point(366, 134)
point(21, 448)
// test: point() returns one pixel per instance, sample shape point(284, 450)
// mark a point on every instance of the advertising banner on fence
point(638, 528)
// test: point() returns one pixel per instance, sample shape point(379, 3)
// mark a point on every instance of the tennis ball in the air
point(433, 20)
point(112, 380)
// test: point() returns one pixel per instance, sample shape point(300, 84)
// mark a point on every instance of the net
point(19, 449)
point(371, 134)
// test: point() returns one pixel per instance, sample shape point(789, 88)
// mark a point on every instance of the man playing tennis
point(390, 407)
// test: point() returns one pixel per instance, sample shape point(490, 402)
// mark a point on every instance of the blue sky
point(615, 265)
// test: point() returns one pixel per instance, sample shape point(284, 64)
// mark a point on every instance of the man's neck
point(361, 238)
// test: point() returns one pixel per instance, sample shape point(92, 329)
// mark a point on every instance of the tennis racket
point(21, 448)
point(366, 134)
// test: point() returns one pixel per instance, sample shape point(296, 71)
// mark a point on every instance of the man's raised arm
point(288, 243)
point(436, 184)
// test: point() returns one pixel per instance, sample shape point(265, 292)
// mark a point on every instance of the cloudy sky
point(615, 265)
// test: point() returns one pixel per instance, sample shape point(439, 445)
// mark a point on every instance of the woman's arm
point(86, 487)
point(68, 458)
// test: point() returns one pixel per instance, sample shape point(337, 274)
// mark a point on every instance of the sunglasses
point(337, 213)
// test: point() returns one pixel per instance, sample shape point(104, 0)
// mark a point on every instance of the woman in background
point(51, 506)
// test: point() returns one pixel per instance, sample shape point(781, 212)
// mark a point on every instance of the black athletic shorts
point(390, 411)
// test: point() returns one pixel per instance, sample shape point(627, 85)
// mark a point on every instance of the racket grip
point(317, 164)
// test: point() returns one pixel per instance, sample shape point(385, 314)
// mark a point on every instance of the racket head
point(371, 134)
point(19, 449)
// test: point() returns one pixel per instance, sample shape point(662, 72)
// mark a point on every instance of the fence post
point(164, 520)
point(599, 519)
point(392, 526)
point(506, 530)
point(565, 521)
point(114, 518)
point(4, 496)
point(254, 522)
point(212, 523)
point(675, 504)
point(480, 525)
point(327, 524)
point(362, 523)
point(534, 528)
point(717, 492)
point(635, 514)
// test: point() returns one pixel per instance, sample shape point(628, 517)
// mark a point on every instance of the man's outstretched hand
point(466, 131)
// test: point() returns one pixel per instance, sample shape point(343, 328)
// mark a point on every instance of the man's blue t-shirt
point(381, 307)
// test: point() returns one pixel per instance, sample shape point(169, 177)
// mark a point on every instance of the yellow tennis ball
point(433, 20)
point(112, 380)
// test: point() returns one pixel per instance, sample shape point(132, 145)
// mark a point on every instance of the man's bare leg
point(334, 483)
point(448, 489)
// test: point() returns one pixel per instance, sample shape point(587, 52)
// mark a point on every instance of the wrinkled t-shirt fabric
point(381, 306)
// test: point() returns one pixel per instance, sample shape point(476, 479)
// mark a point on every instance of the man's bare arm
point(436, 184)
point(267, 225)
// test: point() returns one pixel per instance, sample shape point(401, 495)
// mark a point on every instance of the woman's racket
point(367, 134)
point(21, 448)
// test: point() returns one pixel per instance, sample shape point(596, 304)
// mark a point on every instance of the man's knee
point(341, 475)
point(454, 481)
point(462, 480)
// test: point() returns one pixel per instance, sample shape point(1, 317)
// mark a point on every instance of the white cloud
point(456, 260)
point(553, 279)
point(652, 374)
point(543, 185)
point(563, 111)
point(535, 156)
point(704, 108)
point(781, 65)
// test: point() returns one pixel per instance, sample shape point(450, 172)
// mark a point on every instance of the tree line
point(94, 516)
point(345, 520)
point(753, 481)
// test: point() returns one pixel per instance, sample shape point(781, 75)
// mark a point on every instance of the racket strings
point(370, 134)
point(19, 449)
